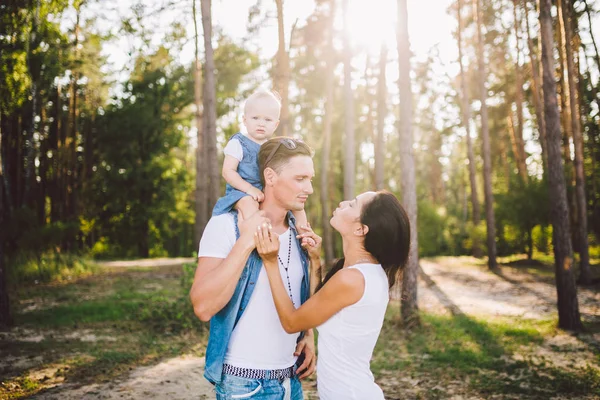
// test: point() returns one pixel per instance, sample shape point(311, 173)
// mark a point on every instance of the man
point(249, 355)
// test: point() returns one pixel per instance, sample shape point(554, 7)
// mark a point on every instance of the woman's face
point(346, 218)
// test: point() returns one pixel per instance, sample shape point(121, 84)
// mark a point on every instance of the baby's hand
point(256, 194)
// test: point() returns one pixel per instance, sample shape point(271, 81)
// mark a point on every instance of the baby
point(240, 167)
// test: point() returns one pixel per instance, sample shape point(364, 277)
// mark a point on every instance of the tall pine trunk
point(209, 126)
point(200, 193)
point(572, 74)
point(466, 121)
point(485, 136)
point(5, 315)
point(381, 113)
point(326, 149)
point(409, 306)
point(522, 166)
point(282, 73)
point(349, 145)
point(568, 307)
point(536, 88)
point(589, 16)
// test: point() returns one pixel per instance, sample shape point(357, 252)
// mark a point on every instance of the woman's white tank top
point(346, 342)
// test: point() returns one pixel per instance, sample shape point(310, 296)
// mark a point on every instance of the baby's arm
point(232, 177)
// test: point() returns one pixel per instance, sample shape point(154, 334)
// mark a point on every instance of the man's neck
point(276, 214)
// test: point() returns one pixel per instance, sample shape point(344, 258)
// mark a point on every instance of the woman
point(349, 306)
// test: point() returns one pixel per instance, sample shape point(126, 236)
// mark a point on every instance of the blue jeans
point(233, 387)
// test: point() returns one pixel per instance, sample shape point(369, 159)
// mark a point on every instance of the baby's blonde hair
point(262, 94)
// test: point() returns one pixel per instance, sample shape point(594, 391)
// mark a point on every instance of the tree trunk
point(466, 121)
point(326, 148)
point(72, 177)
point(209, 127)
point(350, 147)
point(5, 315)
point(568, 307)
point(519, 99)
point(381, 113)
point(200, 193)
point(516, 146)
point(409, 310)
point(485, 136)
point(34, 72)
point(536, 88)
point(282, 73)
point(589, 16)
point(584, 255)
point(529, 243)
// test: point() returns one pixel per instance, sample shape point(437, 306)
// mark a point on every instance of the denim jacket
point(223, 322)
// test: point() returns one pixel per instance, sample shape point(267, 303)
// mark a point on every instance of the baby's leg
point(246, 207)
point(301, 220)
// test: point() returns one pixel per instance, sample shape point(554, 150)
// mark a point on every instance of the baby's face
point(261, 119)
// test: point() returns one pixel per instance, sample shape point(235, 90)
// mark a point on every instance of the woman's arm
point(345, 288)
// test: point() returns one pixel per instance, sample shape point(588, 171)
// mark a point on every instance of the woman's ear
point(361, 230)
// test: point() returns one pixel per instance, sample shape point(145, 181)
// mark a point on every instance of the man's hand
point(307, 347)
point(250, 225)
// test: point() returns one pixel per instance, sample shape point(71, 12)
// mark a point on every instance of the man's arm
point(216, 278)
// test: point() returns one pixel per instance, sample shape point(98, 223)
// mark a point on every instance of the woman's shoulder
point(350, 281)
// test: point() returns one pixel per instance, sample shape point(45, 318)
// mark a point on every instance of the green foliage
point(49, 266)
point(142, 186)
point(542, 238)
point(518, 212)
point(432, 240)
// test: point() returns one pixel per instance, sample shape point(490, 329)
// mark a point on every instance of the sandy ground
point(444, 287)
point(150, 262)
point(179, 378)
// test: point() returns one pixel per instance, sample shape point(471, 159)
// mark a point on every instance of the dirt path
point(146, 263)
point(447, 285)
point(179, 378)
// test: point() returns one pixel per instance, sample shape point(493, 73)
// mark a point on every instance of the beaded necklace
point(286, 267)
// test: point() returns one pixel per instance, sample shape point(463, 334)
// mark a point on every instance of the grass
point(48, 267)
point(147, 313)
point(496, 355)
point(140, 317)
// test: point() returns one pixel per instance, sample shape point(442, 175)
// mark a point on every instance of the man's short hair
point(276, 152)
point(262, 94)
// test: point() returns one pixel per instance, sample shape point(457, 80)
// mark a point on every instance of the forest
point(483, 117)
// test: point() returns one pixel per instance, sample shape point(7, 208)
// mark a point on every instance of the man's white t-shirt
point(258, 341)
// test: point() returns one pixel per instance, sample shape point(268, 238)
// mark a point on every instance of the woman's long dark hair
point(388, 238)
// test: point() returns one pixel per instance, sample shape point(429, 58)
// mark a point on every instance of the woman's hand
point(267, 244)
point(311, 242)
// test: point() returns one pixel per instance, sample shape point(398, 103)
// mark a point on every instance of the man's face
point(293, 184)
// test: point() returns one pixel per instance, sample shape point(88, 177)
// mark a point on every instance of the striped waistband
point(250, 373)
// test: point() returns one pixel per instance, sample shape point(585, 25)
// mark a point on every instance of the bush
point(431, 221)
point(46, 267)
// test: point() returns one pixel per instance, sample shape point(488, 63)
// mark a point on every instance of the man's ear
point(270, 176)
